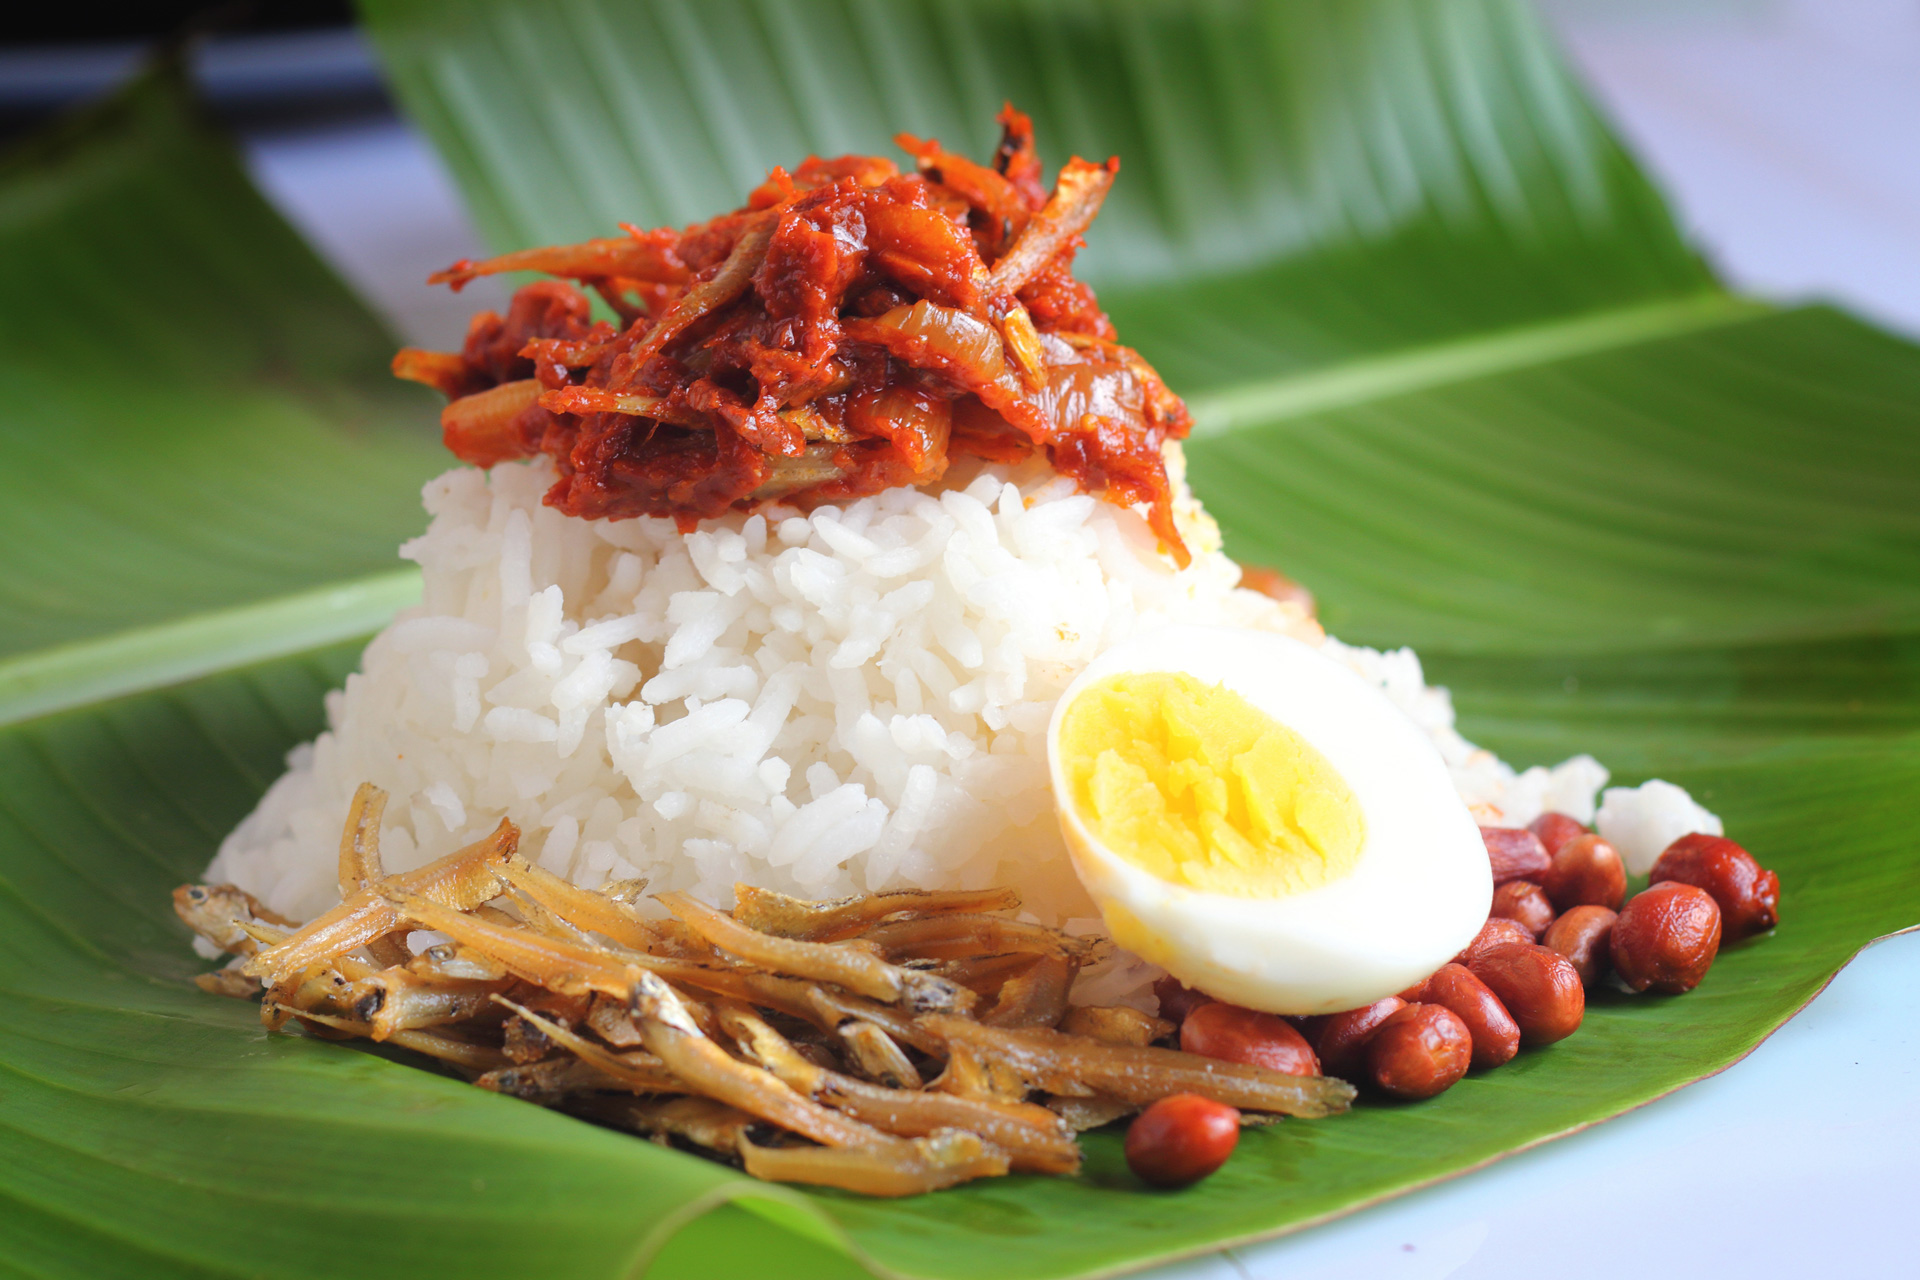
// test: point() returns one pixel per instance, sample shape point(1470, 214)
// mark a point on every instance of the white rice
point(1642, 821)
point(831, 703)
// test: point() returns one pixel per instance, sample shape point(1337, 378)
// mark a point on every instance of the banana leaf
point(1453, 368)
point(205, 463)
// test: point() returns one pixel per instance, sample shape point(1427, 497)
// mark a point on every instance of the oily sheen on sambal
point(850, 329)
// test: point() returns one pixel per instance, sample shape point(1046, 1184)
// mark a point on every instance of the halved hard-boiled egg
point(1259, 821)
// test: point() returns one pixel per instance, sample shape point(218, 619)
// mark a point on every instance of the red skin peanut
point(1515, 853)
point(1666, 938)
point(1308, 1025)
point(1234, 1034)
point(1344, 1036)
point(1538, 987)
point(1524, 903)
point(1555, 829)
point(1177, 999)
point(1496, 1036)
point(1181, 1139)
point(1583, 936)
point(1586, 871)
point(1747, 894)
point(1421, 1050)
point(1496, 932)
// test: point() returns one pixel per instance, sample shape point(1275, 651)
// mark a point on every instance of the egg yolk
point(1196, 786)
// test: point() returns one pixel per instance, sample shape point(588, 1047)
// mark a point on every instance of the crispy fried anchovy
point(988, 1079)
point(1115, 1024)
point(553, 1079)
point(857, 970)
point(958, 937)
point(228, 917)
point(1029, 1134)
point(983, 975)
point(1035, 998)
point(612, 1021)
point(671, 1034)
point(474, 1057)
point(838, 918)
point(1058, 1063)
point(396, 1000)
point(581, 908)
point(360, 862)
point(902, 1168)
point(458, 882)
point(1082, 1114)
point(791, 996)
point(542, 921)
point(569, 967)
point(360, 840)
point(878, 1056)
point(451, 962)
point(228, 982)
point(835, 1006)
point(639, 1072)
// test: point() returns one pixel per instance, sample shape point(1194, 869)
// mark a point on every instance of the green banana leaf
point(205, 462)
point(1452, 366)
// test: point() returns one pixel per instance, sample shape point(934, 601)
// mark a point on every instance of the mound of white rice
point(830, 703)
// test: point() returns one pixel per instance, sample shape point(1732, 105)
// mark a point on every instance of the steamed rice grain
point(836, 702)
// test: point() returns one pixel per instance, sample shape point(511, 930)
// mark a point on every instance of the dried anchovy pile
point(889, 1044)
point(850, 329)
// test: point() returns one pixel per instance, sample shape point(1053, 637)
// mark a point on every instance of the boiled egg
point(1253, 817)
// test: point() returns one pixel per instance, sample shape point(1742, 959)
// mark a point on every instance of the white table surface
point(1788, 135)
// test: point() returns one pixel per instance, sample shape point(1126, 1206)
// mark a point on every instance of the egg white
point(1417, 894)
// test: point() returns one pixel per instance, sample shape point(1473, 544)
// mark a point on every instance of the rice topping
point(850, 329)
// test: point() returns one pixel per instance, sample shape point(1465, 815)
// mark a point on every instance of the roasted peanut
point(1498, 931)
point(1581, 936)
point(1181, 1139)
point(1516, 854)
point(1420, 1050)
point(1177, 999)
point(1747, 894)
point(1586, 871)
point(1525, 903)
point(1538, 987)
point(1555, 829)
point(1343, 1038)
point(1666, 938)
point(1234, 1034)
point(1308, 1025)
point(1496, 1036)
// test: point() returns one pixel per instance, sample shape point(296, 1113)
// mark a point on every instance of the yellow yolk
point(1197, 787)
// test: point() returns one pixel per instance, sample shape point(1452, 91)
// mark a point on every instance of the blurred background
point(1782, 130)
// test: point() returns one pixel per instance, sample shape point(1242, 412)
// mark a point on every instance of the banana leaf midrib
point(1403, 372)
point(164, 653)
point(142, 658)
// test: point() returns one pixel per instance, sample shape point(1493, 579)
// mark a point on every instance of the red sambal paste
point(852, 328)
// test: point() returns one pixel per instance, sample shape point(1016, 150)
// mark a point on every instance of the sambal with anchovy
point(850, 329)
